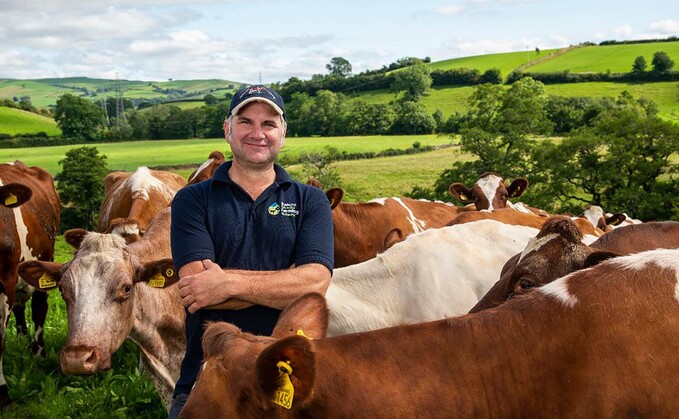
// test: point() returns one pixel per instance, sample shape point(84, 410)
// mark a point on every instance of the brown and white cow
point(438, 273)
point(109, 291)
point(132, 200)
point(597, 343)
point(29, 223)
point(528, 219)
point(207, 169)
point(598, 218)
point(362, 230)
point(558, 250)
point(489, 192)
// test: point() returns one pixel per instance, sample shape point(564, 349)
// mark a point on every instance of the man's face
point(257, 135)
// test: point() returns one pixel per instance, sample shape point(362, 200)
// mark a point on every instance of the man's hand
point(205, 288)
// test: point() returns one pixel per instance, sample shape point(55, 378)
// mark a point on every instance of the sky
point(267, 41)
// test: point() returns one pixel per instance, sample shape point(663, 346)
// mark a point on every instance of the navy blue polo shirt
point(289, 223)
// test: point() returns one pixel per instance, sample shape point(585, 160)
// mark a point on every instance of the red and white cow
point(438, 273)
point(598, 218)
point(489, 192)
point(602, 342)
point(29, 223)
point(558, 250)
point(132, 200)
point(207, 169)
point(362, 230)
point(109, 291)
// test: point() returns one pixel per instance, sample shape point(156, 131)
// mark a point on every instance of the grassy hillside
point(45, 92)
point(16, 121)
point(600, 59)
point(129, 156)
point(505, 62)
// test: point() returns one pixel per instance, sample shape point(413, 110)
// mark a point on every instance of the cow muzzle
point(83, 360)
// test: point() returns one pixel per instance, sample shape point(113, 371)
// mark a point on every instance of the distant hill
point(16, 121)
point(45, 92)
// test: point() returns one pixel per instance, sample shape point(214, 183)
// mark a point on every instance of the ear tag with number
point(300, 332)
point(285, 392)
point(46, 281)
point(157, 281)
point(11, 199)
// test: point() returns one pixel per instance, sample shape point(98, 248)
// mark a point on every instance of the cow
point(362, 230)
point(598, 218)
point(489, 192)
point(207, 169)
point(132, 200)
point(29, 224)
point(558, 250)
point(438, 273)
point(597, 343)
point(511, 216)
point(110, 294)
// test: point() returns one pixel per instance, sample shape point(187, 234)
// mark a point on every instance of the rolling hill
point(16, 122)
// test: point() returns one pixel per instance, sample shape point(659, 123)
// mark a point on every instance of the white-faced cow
point(489, 192)
point(29, 223)
point(207, 169)
point(558, 250)
point(132, 200)
point(362, 230)
point(110, 294)
point(431, 275)
point(598, 218)
point(602, 342)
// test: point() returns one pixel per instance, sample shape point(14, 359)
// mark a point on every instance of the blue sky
point(245, 40)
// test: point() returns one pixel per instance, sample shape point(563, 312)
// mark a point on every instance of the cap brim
point(270, 102)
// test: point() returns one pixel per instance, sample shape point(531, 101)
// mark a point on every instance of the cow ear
point(307, 315)
point(460, 191)
point(44, 276)
point(393, 237)
point(157, 274)
point(312, 181)
point(75, 236)
point(290, 358)
point(597, 257)
point(14, 194)
point(335, 196)
point(615, 219)
point(517, 188)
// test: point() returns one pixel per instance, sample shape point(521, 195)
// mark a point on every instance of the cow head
point(256, 364)
point(207, 169)
point(489, 192)
point(599, 219)
point(98, 286)
point(556, 251)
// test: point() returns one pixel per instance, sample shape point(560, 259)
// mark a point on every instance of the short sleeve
point(315, 241)
point(190, 238)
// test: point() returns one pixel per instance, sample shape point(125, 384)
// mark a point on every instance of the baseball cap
point(257, 93)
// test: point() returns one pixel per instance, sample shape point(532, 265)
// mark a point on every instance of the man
point(250, 240)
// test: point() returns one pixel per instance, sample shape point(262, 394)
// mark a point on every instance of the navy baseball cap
point(257, 93)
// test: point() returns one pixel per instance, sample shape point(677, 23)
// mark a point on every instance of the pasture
point(602, 58)
point(17, 121)
point(506, 62)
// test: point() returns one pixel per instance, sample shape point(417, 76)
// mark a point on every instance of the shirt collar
point(222, 174)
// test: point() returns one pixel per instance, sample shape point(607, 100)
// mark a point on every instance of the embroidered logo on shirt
point(289, 210)
point(274, 209)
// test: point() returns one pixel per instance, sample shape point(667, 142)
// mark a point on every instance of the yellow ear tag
point(283, 395)
point(464, 197)
point(11, 199)
point(300, 332)
point(169, 273)
point(46, 281)
point(157, 281)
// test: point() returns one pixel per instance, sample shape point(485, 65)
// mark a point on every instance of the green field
point(600, 59)
point(506, 62)
point(128, 156)
point(16, 121)
point(45, 92)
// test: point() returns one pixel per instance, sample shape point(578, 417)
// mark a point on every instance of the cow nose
point(82, 360)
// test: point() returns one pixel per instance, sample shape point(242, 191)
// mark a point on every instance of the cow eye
point(127, 289)
point(523, 285)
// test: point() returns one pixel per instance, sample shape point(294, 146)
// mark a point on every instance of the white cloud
point(624, 31)
point(450, 9)
point(666, 27)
